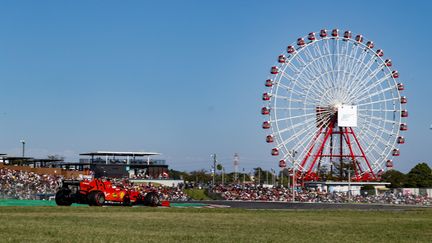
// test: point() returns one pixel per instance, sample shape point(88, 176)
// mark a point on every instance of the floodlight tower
point(236, 164)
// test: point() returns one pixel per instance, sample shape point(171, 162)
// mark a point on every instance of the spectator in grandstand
point(27, 185)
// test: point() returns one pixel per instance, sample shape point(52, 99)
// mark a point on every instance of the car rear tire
point(62, 197)
point(96, 198)
point(126, 201)
point(152, 199)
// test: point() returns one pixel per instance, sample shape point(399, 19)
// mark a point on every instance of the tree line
point(420, 176)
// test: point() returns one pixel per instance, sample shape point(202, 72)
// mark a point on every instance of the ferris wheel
point(333, 102)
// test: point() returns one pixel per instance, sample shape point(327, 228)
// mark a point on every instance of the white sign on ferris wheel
point(347, 116)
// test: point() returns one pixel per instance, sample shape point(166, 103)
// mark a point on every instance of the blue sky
point(183, 78)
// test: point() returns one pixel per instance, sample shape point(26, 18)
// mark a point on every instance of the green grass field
point(141, 224)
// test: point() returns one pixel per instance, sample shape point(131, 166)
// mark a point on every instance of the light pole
point(349, 182)
point(244, 176)
point(259, 175)
point(294, 173)
point(223, 173)
point(23, 147)
point(214, 168)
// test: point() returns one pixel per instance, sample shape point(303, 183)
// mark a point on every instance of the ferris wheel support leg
point(311, 148)
point(319, 152)
point(363, 154)
point(348, 141)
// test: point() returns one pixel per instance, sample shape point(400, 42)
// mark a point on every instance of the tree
point(395, 177)
point(177, 175)
point(219, 167)
point(419, 176)
point(199, 176)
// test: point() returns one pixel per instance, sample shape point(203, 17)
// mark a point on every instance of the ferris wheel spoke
point(293, 117)
point(362, 71)
point(293, 100)
point(377, 93)
point(296, 135)
point(378, 119)
point(377, 101)
point(304, 143)
point(367, 82)
point(381, 129)
point(296, 126)
point(352, 64)
point(381, 110)
point(378, 137)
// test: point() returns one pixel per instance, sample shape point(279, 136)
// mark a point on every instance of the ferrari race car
point(98, 192)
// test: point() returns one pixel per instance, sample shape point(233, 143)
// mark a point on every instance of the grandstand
point(125, 164)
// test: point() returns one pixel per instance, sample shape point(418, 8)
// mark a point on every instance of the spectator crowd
point(18, 184)
point(280, 194)
point(15, 184)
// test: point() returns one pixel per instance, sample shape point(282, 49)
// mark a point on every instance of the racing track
point(307, 206)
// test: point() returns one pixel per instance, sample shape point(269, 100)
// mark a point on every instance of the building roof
point(112, 153)
point(17, 158)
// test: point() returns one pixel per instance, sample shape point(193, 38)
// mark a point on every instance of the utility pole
point(259, 175)
point(214, 168)
point(23, 147)
point(267, 177)
point(293, 184)
point(244, 176)
point(349, 182)
point(281, 178)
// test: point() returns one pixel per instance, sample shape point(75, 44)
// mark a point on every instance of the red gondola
point(403, 127)
point(370, 44)
point(388, 62)
point(380, 52)
point(403, 100)
point(274, 70)
point(389, 163)
point(266, 125)
point(290, 49)
point(395, 74)
point(323, 33)
point(269, 83)
point(396, 152)
point(266, 96)
point(311, 36)
point(359, 38)
point(400, 86)
point(404, 113)
point(282, 59)
point(400, 140)
point(300, 42)
point(275, 152)
point(282, 164)
point(335, 32)
point(347, 34)
point(265, 111)
point(269, 139)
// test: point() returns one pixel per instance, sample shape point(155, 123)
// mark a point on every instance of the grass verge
point(141, 224)
point(197, 194)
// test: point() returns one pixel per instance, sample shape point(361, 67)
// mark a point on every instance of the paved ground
point(284, 205)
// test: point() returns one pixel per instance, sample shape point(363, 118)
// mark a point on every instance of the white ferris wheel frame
point(362, 79)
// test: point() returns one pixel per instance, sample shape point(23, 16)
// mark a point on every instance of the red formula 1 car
point(98, 192)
